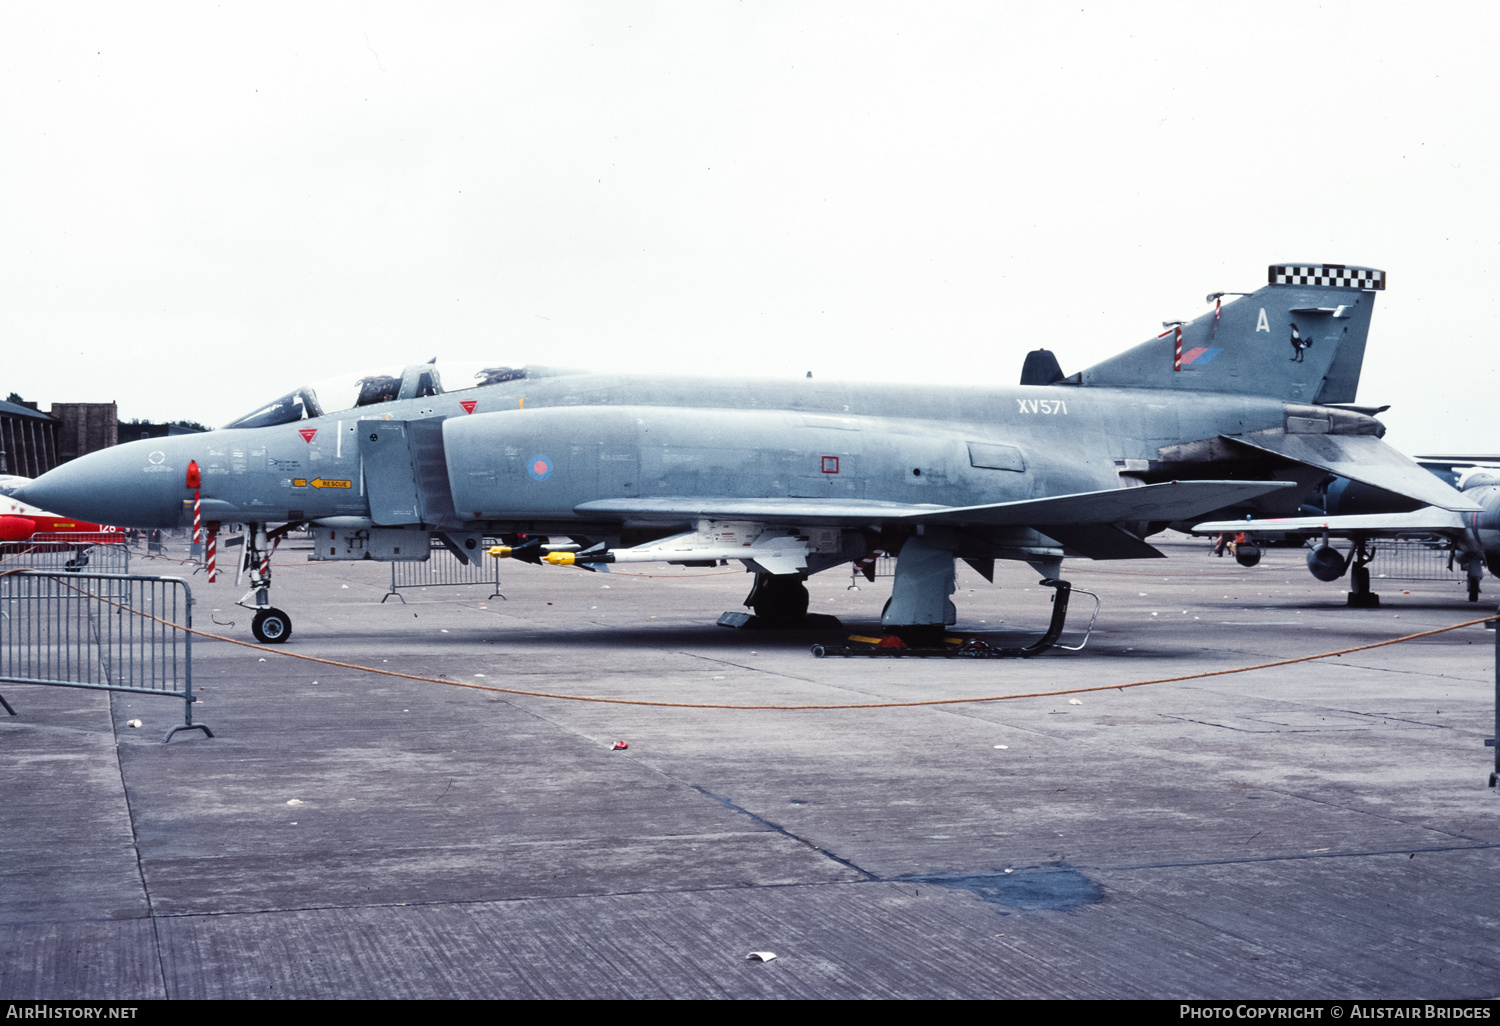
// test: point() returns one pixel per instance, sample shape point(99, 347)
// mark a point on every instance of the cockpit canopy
point(350, 392)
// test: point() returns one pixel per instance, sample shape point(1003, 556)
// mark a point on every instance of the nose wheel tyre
point(271, 626)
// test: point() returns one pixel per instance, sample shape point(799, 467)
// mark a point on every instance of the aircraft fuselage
point(526, 454)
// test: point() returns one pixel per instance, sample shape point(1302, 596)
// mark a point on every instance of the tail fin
point(1300, 338)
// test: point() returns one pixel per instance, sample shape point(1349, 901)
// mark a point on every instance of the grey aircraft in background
point(1243, 411)
point(1472, 537)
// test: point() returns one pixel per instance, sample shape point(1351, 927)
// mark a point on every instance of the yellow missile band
point(559, 558)
point(500, 551)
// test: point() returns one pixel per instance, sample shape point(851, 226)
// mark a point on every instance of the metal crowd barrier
point(108, 632)
point(82, 537)
point(885, 566)
point(442, 569)
point(1402, 559)
point(102, 553)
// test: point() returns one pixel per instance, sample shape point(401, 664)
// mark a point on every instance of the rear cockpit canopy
point(387, 384)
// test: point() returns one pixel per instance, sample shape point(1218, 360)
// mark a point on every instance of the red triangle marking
point(469, 404)
point(308, 434)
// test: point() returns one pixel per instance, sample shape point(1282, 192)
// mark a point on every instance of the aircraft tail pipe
point(973, 648)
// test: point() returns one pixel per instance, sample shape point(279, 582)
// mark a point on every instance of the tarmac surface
point(1319, 830)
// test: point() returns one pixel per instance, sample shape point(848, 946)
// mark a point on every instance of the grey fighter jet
point(1471, 537)
point(1242, 411)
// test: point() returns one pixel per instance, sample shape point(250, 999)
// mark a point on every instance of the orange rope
point(1203, 573)
point(850, 705)
point(17, 555)
point(861, 705)
point(802, 708)
point(674, 577)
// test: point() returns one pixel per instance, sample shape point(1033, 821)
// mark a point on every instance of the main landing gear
point(779, 600)
point(1359, 576)
point(1473, 568)
point(271, 626)
point(917, 617)
point(924, 642)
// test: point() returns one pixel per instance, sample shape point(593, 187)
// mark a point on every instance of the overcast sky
point(202, 206)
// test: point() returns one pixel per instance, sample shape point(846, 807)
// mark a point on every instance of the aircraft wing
point(1362, 458)
point(1430, 520)
point(1172, 500)
point(851, 512)
point(1467, 461)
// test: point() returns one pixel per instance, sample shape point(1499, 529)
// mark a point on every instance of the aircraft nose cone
point(139, 484)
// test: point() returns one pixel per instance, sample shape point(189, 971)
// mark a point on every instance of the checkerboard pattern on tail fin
point(1300, 338)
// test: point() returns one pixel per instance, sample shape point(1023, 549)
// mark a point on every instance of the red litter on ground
point(619, 745)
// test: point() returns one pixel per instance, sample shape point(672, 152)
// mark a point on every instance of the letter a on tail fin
point(1300, 338)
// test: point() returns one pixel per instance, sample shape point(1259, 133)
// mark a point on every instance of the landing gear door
point(390, 479)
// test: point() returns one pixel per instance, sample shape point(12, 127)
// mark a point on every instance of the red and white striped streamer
point(265, 561)
point(1177, 343)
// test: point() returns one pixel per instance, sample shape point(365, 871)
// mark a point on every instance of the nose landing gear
point(271, 626)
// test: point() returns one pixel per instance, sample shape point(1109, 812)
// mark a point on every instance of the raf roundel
point(539, 467)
